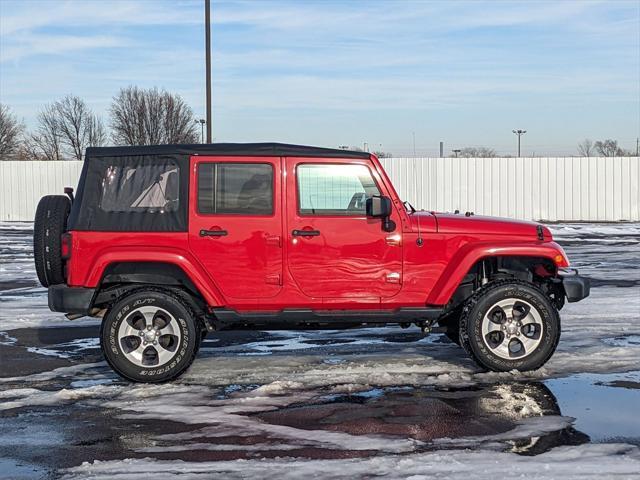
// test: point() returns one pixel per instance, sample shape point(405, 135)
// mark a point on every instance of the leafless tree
point(79, 127)
point(477, 152)
point(65, 129)
point(10, 132)
point(381, 154)
point(45, 143)
point(608, 148)
point(586, 148)
point(151, 117)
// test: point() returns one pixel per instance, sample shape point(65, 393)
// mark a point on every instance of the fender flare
point(467, 256)
point(183, 260)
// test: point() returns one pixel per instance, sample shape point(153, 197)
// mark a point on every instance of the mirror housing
point(380, 206)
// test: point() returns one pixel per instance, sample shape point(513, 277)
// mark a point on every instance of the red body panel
point(351, 264)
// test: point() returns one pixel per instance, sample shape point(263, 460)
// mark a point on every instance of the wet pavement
point(331, 404)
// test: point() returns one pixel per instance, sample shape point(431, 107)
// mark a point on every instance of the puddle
point(606, 407)
point(526, 418)
point(17, 470)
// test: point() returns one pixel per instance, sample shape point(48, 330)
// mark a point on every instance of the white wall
point(23, 183)
point(571, 188)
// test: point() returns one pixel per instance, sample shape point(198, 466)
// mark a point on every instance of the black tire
point(50, 224)
point(481, 302)
point(183, 345)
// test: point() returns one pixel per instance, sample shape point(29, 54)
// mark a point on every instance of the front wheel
point(149, 336)
point(510, 325)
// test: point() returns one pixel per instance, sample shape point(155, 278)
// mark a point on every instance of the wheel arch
point(118, 277)
point(512, 258)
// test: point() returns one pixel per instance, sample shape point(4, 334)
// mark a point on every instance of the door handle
point(305, 233)
point(213, 233)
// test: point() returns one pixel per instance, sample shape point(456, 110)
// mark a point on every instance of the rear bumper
point(66, 299)
point(575, 286)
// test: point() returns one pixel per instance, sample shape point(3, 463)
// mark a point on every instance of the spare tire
point(50, 224)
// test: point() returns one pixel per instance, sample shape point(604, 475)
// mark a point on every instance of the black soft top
point(227, 149)
point(111, 191)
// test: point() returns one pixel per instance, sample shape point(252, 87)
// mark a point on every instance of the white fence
point(555, 189)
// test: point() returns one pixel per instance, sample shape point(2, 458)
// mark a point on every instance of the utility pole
point(207, 35)
point(519, 133)
point(637, 146)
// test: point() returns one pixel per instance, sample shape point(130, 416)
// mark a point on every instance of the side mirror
point(380, 207)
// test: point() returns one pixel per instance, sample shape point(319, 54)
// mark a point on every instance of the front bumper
point(75, 300)
point(575, 286)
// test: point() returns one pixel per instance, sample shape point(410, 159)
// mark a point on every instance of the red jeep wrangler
point(168, 242)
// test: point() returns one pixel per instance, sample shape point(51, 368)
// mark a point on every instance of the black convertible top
point(119, 186)
point(226, 149)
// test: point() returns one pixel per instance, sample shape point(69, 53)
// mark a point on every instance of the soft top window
point(143, 193)
point(140, 188)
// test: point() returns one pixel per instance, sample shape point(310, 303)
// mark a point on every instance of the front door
point(334, 250)
point(235, 224)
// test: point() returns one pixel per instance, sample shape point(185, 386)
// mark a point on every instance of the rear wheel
point(510, 325)
point(50, 223)
point(149, 336)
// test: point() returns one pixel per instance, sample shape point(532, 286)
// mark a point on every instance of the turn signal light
point(560, 260)
point(65, 245)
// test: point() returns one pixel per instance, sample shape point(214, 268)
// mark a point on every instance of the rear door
point(235, 224)
point(334, 250)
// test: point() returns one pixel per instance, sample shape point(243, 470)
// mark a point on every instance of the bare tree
point(79, 127)
point(65, 129)
point(477, 152)
point(45, 143)
point(10, 132)
point(381, 154)
point(608, 148)
point(586, 148)
point(151, 117)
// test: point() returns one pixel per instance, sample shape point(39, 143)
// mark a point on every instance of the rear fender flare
point(192, 269)
point(466, 257)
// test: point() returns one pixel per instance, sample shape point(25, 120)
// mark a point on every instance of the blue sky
point(346, 72)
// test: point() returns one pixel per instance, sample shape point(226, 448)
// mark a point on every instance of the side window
point(235, 188)
point(140, 188)
point(334, 189)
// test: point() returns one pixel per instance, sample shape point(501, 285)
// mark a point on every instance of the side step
point(291, 319)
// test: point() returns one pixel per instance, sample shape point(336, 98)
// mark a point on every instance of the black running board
point(292, 319)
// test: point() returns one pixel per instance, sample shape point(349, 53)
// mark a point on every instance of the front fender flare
point(467, 256)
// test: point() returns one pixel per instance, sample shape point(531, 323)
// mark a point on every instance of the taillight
point(65, 246)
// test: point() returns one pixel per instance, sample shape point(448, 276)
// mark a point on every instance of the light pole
point(201, 121)
point(207, 36)
point(519, 133)
point(456, 151)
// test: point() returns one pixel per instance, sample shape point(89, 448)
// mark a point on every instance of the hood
point(449, 223)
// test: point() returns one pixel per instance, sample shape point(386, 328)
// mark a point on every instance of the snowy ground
point(361, 403)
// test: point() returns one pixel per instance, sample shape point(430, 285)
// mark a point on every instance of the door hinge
point(274, 279)
point(393, 277)
point(274, 240)
point(394, 240)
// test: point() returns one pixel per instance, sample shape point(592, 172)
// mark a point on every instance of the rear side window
point(235, 188)
point(334, 189)
point(152, 187)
